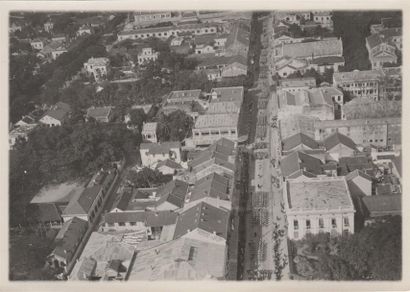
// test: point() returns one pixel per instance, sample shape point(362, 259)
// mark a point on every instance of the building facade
point(316, 205)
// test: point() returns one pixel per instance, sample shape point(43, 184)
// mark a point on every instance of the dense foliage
point(374, 253)
point(58, 154)
point(353, 27)
point(147, 178)
point(174, 127)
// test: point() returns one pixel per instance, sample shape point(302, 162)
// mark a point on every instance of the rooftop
point(356, 75)
point(160, 148)
point(336, 139)
point(297, 82)
point(185, 94)
point(217, 121)
point(205, 217)
point(69, 236)
point(322, 48)
point(297, 161)
point(173, 192)
point(318, 124)
point(299, 139)
point(181, 259)
point(102, 249)
point(102, 61)
point(212, 185)
point(149, 127)
point(318, 194)
point(383, 205)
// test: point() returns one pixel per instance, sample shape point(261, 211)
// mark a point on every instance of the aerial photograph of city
point(205, 145)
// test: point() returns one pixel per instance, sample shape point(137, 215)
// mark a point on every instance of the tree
point(147, 178)
point(175, 127)
point(137, 118)
point(373, 253)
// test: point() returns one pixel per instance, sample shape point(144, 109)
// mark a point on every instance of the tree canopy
point(57, 154)
point(373, 253)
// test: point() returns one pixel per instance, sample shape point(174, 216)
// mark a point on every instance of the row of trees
point(374, 253)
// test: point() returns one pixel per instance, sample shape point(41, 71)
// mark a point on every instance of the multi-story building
point(147, 55)
point(211, 127)
point(359, 83)
point(149, 132)
point(168, 31)
point(323, 18)
point(151, 17)
point(382, 132)
point(315, 205)
point(37, 44)
point(98, 67)
point(382, 46)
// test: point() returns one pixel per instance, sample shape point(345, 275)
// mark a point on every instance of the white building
point(98, 67)
point(314, 205)
point(37, 44)
point(149, 132)
point(147, 55)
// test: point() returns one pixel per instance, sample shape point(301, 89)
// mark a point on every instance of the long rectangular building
point(167, 31)
point(211, 127)
point(378, 132)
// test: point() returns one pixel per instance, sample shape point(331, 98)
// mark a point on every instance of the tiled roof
point(82, 204)
point(157, 148)
point(217, 120)
point(336, 139)
point(173, 192)
point(322, 48)
point(73, 231)
point(355, 173)
point(117, 217)
point(300, 161)
point(323, 124)
point(205, 217)
point(160, 218)
point(172, 261)
point(220, 151)
point(212, 185)
point(298, 82)
point(318, 194)
point(356, 75)
point(298, 139)
point(349, 164)
point(383, 205)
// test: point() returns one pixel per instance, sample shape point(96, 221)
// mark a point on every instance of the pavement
point(266, 178)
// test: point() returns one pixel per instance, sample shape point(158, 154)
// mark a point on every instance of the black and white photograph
point(205, 145)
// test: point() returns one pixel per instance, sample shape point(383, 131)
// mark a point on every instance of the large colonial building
point(317, 205)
